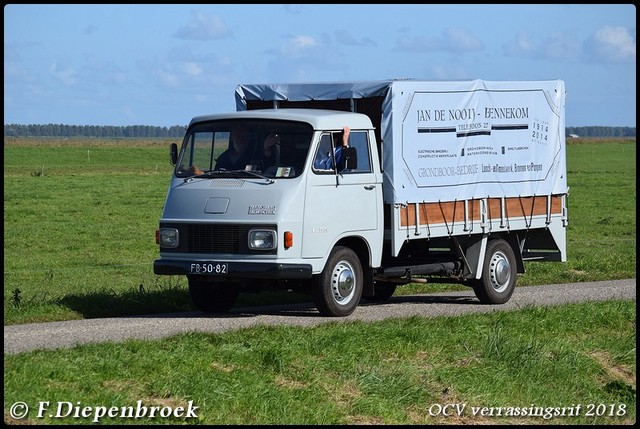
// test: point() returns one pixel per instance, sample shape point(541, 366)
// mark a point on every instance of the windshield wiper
point(256, 174)
point(223, 171)
point(203, 175)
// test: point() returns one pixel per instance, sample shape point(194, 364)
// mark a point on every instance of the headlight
point(262, 239)
point(169, 237)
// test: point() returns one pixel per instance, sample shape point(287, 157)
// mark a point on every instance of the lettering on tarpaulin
point(470, 114)
point(446, 115)
point(510, 168)
point(523, 168)
point(506, 112)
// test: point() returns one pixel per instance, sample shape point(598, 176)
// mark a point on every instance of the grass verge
point(571, 364)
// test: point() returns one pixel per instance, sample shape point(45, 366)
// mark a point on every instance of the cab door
point(339, 204)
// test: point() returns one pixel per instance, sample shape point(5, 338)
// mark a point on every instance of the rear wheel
point(382, 291)
point(337, 290)
point(498, 279)
point(212, 296)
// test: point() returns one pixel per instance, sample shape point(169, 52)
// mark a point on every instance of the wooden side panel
point(556, 204)
point(437, 213)
point(524, 206)
point(453, 211)
point(494, 208)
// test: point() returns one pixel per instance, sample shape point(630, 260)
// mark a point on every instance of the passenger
point(269, 149)
point(237, 156)
point(324, 160)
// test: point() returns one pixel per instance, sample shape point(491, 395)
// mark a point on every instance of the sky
point(160, 65)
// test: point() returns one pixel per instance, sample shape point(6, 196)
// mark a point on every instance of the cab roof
point(319, 119)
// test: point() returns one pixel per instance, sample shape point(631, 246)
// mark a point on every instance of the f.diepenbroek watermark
point(529, 411)
point(95, 413)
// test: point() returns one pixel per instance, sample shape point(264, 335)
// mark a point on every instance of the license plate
point(209, 268)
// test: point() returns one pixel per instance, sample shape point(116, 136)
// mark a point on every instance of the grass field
point(80, 217)
point(79, 243)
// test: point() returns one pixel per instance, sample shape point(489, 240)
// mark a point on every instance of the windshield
point(275, 149)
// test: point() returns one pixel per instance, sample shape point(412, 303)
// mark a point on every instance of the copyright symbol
point(19, 410)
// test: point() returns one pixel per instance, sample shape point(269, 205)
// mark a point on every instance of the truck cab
point(276, 220)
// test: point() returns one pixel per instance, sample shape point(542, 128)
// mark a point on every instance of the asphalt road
point(33, 336)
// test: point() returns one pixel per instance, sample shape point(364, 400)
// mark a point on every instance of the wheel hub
point(500, 272)
point(343, 283)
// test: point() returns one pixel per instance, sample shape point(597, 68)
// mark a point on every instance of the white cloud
point(66, 76)
point(609, 44)
point(168, 78)
point(192, 69)
point(90, 29)
point(615, 44)
point(451, 40)
point(301, 56)
point(558, 46)
point(460, 40)
point(346, 38)
point(304, 41)
point(204, 27)
point(295, 9)
point(299, 46)
point(522, 46)
point(561, 46)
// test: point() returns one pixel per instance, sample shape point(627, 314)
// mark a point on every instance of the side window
point(323, 160)
point(360, 141)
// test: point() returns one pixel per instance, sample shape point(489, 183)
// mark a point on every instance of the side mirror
point(350, 157)
point(173, 153)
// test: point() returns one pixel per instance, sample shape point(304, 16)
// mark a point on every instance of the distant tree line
point(177, 131)
point(602, 131)
point(97, 131)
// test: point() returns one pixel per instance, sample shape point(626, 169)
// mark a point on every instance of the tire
point(498, 279)
point(211, 296)
point(337, 290)
point(382, 291)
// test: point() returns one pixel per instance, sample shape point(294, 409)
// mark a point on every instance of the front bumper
point(239, 270)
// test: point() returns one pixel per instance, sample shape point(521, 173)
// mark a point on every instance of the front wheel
point(498, 279)
point(337, 290)
point(211, 296)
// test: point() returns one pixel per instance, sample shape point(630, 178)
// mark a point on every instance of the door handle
point(369, 187)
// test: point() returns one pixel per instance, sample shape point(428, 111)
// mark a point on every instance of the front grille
point(217, 238)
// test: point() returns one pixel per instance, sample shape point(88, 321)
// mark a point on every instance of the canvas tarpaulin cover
point(451, 140)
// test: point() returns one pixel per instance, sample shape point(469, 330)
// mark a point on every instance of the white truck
point(456, 182)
